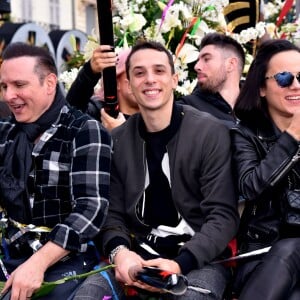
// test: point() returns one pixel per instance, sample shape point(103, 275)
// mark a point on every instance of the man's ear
point(175, 78)
point(51, 82)
point(231, 63)
point(128, 84)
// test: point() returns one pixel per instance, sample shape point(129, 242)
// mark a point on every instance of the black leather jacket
point(263, 156)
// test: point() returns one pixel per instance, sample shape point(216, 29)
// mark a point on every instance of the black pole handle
point(111, 105)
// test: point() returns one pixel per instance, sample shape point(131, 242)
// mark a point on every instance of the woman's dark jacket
point(263, 157)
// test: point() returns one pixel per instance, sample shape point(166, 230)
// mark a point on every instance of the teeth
point(293, 98)
point(17, 106)
point(151, 92)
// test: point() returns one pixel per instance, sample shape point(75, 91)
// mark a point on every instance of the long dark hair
point(250, 106)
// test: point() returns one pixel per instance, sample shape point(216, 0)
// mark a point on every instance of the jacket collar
point(214, 98)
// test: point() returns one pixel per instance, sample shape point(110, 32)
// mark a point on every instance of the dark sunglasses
point(285, 79)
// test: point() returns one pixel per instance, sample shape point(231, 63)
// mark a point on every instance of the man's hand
point(124, 260)
point(109, 122)
point(29, 276)
point(164, 264)
point(127, 262)
point(25, 280)
point(102, 58)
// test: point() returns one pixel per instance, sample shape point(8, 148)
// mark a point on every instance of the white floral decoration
point(180, 25)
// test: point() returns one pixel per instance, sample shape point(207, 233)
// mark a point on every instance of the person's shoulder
point(246, 128)
point(191, 99)
point(200, 116)
point(72, 117)
point(73, 121)
point(73, 114)
point(202, 124)
point(128, 126)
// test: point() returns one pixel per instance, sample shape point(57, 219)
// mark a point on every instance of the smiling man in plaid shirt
point(54, 177)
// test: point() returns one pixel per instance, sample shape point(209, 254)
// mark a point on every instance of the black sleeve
point(82, 89)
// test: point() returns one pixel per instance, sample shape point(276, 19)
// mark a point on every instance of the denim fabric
point(211, 277)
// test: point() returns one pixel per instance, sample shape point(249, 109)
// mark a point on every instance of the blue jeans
point(211, 277)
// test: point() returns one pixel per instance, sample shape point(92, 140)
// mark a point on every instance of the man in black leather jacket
point(219, 69)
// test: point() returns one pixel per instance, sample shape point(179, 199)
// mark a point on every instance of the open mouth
point(17, 107)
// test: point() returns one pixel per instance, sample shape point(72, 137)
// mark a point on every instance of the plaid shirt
point(71, 164)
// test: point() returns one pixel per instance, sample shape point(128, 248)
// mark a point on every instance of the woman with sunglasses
point(266, 152)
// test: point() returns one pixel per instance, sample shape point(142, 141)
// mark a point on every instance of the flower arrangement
point(285, 26)
point(179, 25)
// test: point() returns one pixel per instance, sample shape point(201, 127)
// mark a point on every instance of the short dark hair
point(250, 105)
point(45, 63)
point(224, 42)
point(140, 45)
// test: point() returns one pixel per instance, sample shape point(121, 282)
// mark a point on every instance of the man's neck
point(157, 120)
point(230, 94)
point(127, 109)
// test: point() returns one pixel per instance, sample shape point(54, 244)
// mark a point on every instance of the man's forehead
point(210, 50)
point(148, 57)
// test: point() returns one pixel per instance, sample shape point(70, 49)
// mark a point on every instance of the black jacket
point(210, 103)
point(263, 156)
point(201, 177)
point(81, 92)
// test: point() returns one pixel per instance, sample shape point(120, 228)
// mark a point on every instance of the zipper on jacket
point(143, 193)
point(283, 172)
point(254, 210)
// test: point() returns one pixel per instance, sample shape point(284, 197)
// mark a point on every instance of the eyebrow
point(156, 66)
point(205, 54)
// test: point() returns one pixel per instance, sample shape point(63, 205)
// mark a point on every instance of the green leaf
point(48, 287)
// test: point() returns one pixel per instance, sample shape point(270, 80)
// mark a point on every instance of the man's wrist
point(114, 252)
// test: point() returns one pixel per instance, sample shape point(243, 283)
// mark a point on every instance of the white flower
point(188, 53)
point(154, 35)
point(67, 78)
point(187, 87)
point(184, 23)
point(89, 48)
point(271, 29)
point(133, 22)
